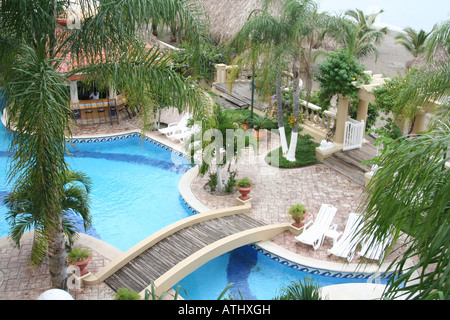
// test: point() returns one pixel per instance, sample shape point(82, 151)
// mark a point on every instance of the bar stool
point(76, 114)
point(101, 111)
point(87, 113)
point(112, 108)
point(125, 107)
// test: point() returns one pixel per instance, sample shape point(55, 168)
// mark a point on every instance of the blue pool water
point(135, 193)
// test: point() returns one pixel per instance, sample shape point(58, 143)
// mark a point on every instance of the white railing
point(312, 116)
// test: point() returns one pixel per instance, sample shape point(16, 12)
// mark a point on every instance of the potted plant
point(243, 121)
point(245, 185)
point(298, 212)
point(260, 124)
point(80, 258)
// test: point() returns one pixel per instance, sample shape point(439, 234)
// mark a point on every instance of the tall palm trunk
point(57, 255)
point(284, 146)
point(296, 110)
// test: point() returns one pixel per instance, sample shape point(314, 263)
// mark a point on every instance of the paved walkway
point(275, 191)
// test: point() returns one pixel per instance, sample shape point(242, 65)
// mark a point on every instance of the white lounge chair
point(175, 127)
point(346, 245)
point(374, 250)
point(184, 134)
point(313, 235)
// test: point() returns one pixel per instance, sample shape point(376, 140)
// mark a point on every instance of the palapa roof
point(228, 16)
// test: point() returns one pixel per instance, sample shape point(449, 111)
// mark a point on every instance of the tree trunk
point(284, 146)
point(294, 135)
point(57, 256)
point(220, 185)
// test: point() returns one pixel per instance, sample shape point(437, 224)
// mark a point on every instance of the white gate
point(353, 135)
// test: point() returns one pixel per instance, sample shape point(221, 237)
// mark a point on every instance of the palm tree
point(306, 289)
point(74, 200)
point(278, 41)
point(222, 142)
point(33, 51)
point(259, 43)
point(413, 41)
point(410, 192)
point(299, 19)
point(358, 34)
point(429, 83)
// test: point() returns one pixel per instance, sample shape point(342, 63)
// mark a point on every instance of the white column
point(341, 118)
point(221, 73)
point(74, 92)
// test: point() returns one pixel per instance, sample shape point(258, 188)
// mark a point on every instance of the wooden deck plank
point(155, 261)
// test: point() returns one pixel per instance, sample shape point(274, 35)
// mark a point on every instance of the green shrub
point(212, 181)
point(126, 294)
point(231, 181)
point(337, 73)
point(211, 55)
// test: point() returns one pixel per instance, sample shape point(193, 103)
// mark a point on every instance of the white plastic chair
point(374, 250)
point(313, 235)
point(175, 127)
point(346, 245)
point(185, 133)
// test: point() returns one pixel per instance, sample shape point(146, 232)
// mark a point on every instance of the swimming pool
point(135, 193)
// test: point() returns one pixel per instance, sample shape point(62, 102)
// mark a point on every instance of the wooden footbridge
point(169, 255)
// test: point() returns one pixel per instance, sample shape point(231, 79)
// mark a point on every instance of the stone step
point(355, 173)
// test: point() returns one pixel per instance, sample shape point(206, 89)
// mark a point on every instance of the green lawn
point(305, 154)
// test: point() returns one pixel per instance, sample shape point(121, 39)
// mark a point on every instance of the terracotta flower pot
point(244, 192)
point(82, 265)
point(298, 223)
point(244, 126)
point(259, 134)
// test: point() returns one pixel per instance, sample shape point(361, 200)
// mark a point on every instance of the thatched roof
point(421, 61)
point(228, 16)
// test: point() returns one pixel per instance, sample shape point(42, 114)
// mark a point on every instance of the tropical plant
point(406, 95)
point(244, 183)
point(338, 73)
point(261, 122)
point(78, 255)
point(222, 142)
point(280, 44)
point(22, 212)
point(297, 209)
point(301, 19)
point(260, 39)
point(212, 54)
point(358, 34)
point(32, 57)
point(410, 194)
point(413, 41)
point(307, 289)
